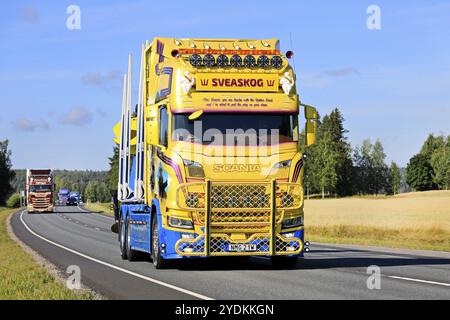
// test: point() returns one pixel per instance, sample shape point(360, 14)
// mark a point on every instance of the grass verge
point(104, 208)
point(21, 278)
point(409, 238)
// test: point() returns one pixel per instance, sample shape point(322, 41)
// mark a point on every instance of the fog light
point(289, 235)
point(187, 236)
point(188, 250)
point(290, 249)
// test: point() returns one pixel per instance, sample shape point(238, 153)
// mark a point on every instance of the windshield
point(41, 188)
point(235, 128)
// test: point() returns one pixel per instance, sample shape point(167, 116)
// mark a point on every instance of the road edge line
point(158, 282)
point(50, 267)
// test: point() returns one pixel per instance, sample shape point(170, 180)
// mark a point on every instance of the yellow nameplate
point(237, 82)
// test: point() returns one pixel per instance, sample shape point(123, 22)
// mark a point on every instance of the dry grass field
point(413, 220)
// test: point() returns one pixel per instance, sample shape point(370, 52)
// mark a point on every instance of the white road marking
point(421, 281)
point(98, 214)
point(170, 286)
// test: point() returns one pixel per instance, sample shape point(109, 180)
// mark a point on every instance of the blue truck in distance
point(63, 196)
point(74, 199)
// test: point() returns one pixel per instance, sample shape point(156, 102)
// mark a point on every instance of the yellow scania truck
point(211, 158)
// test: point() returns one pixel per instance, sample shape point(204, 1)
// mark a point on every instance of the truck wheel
point(131, 254)
point(280, 262)
point(158, 261)
point(122, 239)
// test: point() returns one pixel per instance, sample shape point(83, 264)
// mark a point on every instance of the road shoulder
point(49, 267)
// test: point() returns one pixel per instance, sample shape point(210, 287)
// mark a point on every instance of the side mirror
point(311, 132)
point(151, 127)
point(312, 116)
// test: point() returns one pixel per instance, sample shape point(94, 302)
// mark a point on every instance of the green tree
point(440, 161)
point(395, 178)
point(431, 144)
point(6, 174)
point(363, 168)
point(379, 168)
point(334, 125)
point(102, 192)
point(326, 162)
point(419, 173)
point(90, 193)
point(112, 177)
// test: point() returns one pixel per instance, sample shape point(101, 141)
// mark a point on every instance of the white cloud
point(77, 116)
point(100, 80)
point(24, 124)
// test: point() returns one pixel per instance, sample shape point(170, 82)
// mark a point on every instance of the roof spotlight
point(263, 62)
point(195, 60)
point(290, 54)
point(209, 60)
point(276, 62)
point(236, 61)
point(222, 61)
point(175, 53)
point(249, 61)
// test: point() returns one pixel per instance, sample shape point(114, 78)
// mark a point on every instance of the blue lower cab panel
point(219, 246)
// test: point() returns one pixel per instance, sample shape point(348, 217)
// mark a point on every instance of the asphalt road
point(72, 236)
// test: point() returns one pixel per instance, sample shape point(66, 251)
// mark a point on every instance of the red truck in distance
point(40, 188)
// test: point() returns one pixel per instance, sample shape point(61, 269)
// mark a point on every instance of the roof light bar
point(230, 52)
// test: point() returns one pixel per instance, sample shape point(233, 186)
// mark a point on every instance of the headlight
point(283, 164)
point(293, 222)
point(180, 223)
point(195, 169)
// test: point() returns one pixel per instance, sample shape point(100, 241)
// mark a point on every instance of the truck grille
point(239, 207)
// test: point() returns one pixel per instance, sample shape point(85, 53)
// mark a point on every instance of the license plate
point(238, 247)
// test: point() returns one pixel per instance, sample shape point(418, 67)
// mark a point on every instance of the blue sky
point(60, 89)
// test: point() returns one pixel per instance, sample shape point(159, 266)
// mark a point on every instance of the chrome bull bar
point(227, 208)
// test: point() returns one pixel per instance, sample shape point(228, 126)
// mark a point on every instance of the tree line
point(334, 168)
point(430, 168)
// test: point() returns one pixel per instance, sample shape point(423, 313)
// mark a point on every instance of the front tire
point(158, 260)
point(122, 239)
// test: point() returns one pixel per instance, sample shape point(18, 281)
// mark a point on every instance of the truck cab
point(63, 196)
point(40, 189)
point(214, 154)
